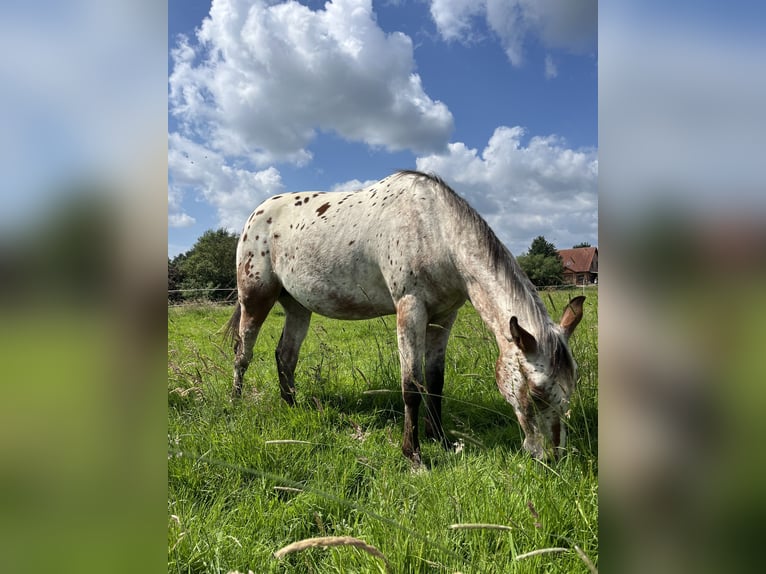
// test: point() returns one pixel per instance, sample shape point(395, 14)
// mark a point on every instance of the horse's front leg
point(437, 335)
point(411, 321)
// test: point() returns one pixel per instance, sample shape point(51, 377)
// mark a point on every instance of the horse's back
point(347, 255)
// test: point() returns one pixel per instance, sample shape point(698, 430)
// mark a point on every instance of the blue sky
point(498, 97)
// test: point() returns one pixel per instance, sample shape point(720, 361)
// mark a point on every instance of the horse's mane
point(534, 317)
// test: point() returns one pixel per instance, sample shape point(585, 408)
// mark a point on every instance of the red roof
point(579, 260)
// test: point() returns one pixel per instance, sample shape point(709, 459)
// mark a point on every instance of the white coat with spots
point(410, 246)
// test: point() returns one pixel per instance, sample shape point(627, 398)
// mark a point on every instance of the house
point(580, 265)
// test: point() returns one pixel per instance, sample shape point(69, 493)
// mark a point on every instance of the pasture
point(250, 477)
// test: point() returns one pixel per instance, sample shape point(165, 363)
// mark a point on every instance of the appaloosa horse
point(407, 245)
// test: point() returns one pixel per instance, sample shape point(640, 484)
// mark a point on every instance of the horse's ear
point(524, 340)
point(572, 315)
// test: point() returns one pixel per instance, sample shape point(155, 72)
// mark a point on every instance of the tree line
point(208, 270)
point(209, 264)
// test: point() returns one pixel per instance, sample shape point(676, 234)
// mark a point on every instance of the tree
point(210, 264)
point(540, 246)
point(542, 263)
point(579, 245)
point(175, 279)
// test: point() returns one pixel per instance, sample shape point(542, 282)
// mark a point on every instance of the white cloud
point(541, 188)
point(264, 78)
point(570, 26)
point(352, 185)
point(551, 71)
point(453, 18)
point(180, 219)
point(233, 191)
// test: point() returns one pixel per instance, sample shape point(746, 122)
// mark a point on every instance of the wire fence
point(181, 297)
point(188, 296)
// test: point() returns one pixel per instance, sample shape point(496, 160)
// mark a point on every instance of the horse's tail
point(231, 331)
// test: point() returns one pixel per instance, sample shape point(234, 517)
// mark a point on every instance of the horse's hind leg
point(297, 319)
point(437, 334)
point(253, 312)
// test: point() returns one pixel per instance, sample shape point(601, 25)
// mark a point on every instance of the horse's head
point(537, 378)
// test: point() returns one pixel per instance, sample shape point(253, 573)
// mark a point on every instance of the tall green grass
point(248, 478)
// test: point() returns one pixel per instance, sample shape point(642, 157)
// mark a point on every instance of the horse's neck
point(496, 295)
point(487, 298)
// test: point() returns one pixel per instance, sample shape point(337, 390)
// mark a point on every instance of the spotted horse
point(408, 246)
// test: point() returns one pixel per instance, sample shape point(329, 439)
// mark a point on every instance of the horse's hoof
point(413, 456)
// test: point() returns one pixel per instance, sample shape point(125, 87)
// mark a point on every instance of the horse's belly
point(351, 291)
point(341, 300)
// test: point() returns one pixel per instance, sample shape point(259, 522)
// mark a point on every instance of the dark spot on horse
point(351, 242)
point(268, 220)
point(276, 197)
point(263, 254)
point(306, 199)
point(322, 208)
point(244, 237)
point(315, 195)
point(256, 237)
point(260, 210)
point(276, 236)
point(298, 203)
point(251, 276)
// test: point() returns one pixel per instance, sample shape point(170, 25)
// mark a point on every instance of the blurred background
point(83, 248)
point(83, 158)
point(683, 266)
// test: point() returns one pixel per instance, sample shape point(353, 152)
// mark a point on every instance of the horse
point(408, 246)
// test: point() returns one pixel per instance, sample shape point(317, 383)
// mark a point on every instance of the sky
point(498, 97)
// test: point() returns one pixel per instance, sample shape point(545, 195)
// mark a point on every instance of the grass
point(246, 479)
